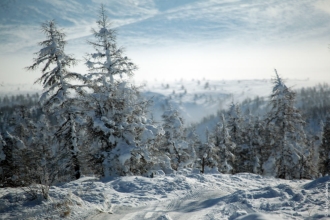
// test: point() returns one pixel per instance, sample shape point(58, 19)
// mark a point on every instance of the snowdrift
point(184, 195)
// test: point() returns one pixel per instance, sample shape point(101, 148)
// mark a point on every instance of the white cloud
point(129, 8)
point(323, 5)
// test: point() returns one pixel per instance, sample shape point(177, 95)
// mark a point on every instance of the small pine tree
point(194, 144)
point(2, 144)
point(209, 154)
point(67, 136)
point(174, 142)
point(257, 143)
point(324, 149)
point(226, 147)
point(237, 135)
point(235, 121)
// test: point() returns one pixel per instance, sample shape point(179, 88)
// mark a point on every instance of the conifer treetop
point(52, 53)
point(108, 60)
point(56, 77)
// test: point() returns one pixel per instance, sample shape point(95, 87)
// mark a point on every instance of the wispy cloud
point(20, 23)
point(247, 21)
point(155, 21)
point(172, 24)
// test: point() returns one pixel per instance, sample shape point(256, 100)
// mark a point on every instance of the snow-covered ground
point(184, 195)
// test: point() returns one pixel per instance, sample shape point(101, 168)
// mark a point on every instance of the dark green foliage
point(324, 150)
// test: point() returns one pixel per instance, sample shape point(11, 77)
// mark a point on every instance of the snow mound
point(182, 195)
point(258, 216)
point(320, 182)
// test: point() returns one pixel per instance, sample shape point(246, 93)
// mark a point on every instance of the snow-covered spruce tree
point(160, 159)
point(24, 131)
point(208, 154)
point(5, 151)
point(12, 166)
point(23, 157)
point(45, 163)
point(269, 165)
point(256, 144)
point(234, 123)
point(324, 149)
point(2, 154)
point(67, 136)
point(195, 141)
point(60, 95)
point(310, 160)
point(2, 158)
point(315, 142)
point(287, 130)
point(195, 144)
point(238, 136)
point(24, 163)
point(121, 137)
point(177, 148)
point(18, 134)
point(226, 147)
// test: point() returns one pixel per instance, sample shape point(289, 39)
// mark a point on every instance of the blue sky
point(174, 39)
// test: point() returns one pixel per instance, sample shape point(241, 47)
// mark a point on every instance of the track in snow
point(179, 207)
